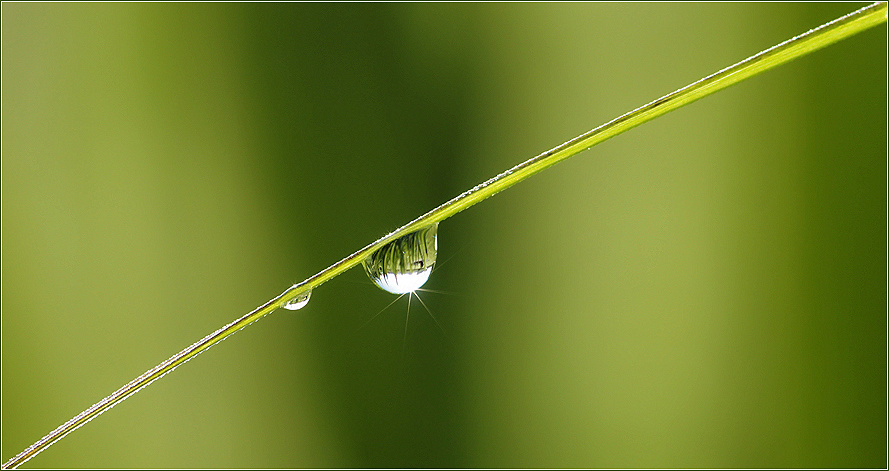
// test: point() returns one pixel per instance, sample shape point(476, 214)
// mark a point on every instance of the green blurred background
point(707, 290)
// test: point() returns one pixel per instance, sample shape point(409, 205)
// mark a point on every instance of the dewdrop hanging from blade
point(403, 265)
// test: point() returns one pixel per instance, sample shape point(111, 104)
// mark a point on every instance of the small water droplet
point(403, 265)
point(298, 302)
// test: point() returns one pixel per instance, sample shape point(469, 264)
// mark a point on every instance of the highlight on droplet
point(298, 302)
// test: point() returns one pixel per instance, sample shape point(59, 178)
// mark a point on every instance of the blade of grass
point(798, 46)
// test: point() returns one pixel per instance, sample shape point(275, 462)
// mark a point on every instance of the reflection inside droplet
point(403, 265)
point(298, 302)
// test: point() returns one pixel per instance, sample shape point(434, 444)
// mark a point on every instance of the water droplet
point(298, 302)
point(403, 265)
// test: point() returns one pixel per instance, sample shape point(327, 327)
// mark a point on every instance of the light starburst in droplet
point(403, 266)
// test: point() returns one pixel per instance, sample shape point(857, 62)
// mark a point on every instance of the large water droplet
point(403, 265)
point(298, 302)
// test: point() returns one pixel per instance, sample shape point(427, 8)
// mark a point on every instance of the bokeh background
point(707, 290)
